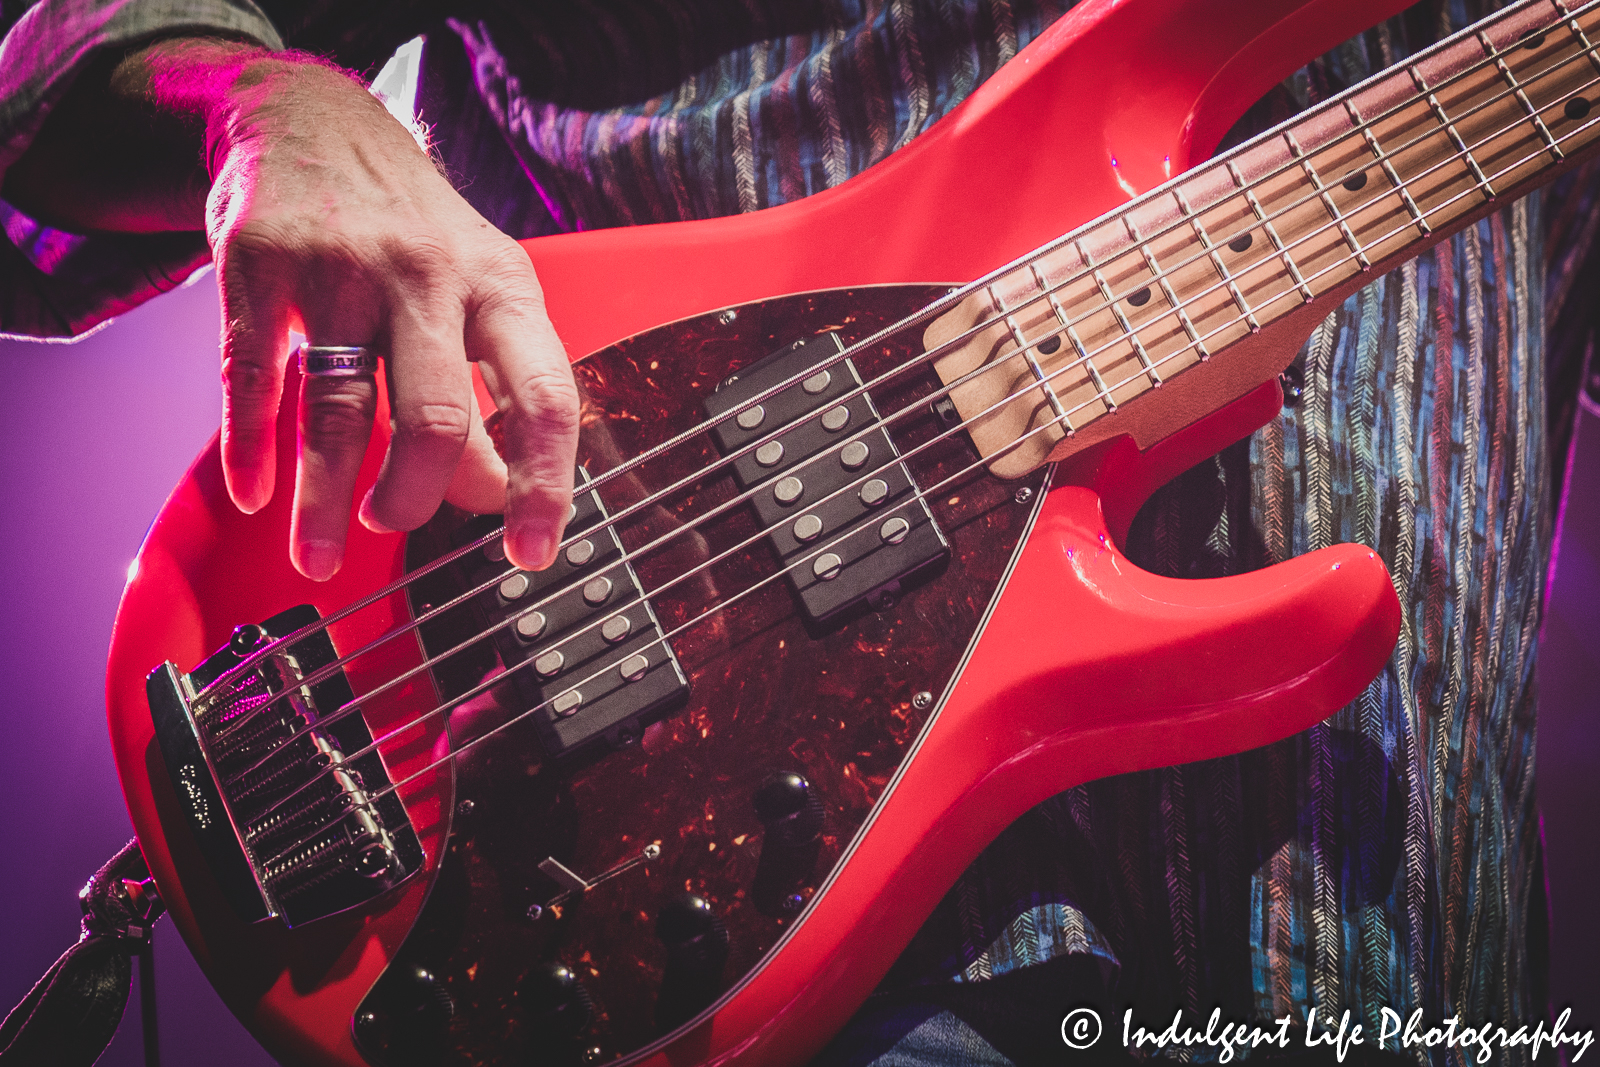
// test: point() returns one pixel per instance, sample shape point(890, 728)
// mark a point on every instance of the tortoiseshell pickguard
point(839, 707)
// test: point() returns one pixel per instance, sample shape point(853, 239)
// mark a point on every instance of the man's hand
point(324, 215)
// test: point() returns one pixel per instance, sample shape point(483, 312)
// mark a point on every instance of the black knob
point(687, 922)
point(789, 809)
point(405, 1021)
point(791, 816)
point(554, 1003)
point(697, 951)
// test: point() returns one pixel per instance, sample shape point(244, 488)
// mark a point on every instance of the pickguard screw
point(1023, 495)
point(652, 852)
point(592, 1054)
point(725, 318)
point(534, 911)
point(793, 902)
point(464, 808)
point(922, 701)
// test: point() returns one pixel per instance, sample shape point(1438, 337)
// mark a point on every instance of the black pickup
point(850, 524)
point(592, 663)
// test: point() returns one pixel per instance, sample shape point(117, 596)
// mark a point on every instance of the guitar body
point(1036, 658)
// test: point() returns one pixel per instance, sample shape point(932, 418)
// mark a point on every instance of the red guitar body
point(1079, 665)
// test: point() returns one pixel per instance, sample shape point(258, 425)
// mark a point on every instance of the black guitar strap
point(70, 1015)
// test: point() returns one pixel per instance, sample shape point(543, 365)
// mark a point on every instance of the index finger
point(525, 367)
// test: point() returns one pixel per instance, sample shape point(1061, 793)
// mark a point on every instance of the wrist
point(229, 90)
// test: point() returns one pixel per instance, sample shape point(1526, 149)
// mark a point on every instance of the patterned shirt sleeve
point(54, 283)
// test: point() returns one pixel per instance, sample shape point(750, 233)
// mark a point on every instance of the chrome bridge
point(289, 808)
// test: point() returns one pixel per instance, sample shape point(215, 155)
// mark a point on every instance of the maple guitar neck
point(1268, 235)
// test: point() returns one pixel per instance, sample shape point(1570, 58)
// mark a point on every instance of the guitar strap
point(70, 1015)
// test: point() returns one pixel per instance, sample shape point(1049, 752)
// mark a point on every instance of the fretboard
point(1102, 318)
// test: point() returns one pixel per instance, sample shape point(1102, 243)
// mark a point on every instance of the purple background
point(99, 432)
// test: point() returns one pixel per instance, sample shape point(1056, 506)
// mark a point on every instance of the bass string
point(328, 670)
point(922, 494)
point(930, 311)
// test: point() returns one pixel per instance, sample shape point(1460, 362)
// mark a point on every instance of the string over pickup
point(829, 488)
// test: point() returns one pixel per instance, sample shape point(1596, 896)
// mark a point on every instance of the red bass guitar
point(841, 596)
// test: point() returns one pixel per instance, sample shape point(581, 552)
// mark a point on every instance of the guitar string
point(491, 682)
point(955, 298)
point(326, 671)
point(474, 640)
point(372, 598)
point(1133, 376)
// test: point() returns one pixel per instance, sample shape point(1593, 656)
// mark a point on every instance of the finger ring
point(337, 361)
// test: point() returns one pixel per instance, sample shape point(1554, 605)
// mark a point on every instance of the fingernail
point(532, 550)
point(370, 520)
point(318, 560)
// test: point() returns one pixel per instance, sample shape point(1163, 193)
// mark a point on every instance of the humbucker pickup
point(850, 525)
point(291, 810)
point(593, 662)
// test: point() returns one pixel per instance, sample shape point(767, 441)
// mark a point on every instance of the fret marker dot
point(827, 566)
point(514, 586)
point(580, 553)
point(1356, 182)
point(770, 454)
point(1577, 108)
point(835, 420)
point(1049, 346)
point(1533, 41)
point(788, 490)
point(817, 382)
point(807, 528)
point(1242, 242)
point(530, 625)
point(1142, 297)
point(854, 455)
point(751, 417)
point(567, 703)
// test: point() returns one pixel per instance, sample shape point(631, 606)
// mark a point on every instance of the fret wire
point(1450, 131)
point(1272, 232)
point(1128, 331)
point(1072, 335)
point(1216, 258)
point(1327, 201)
point(1588, 126)
point(1522, 97)
point(1387, 164)
point(1577, 31)
point(1166, 288)
point(1033, 364)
